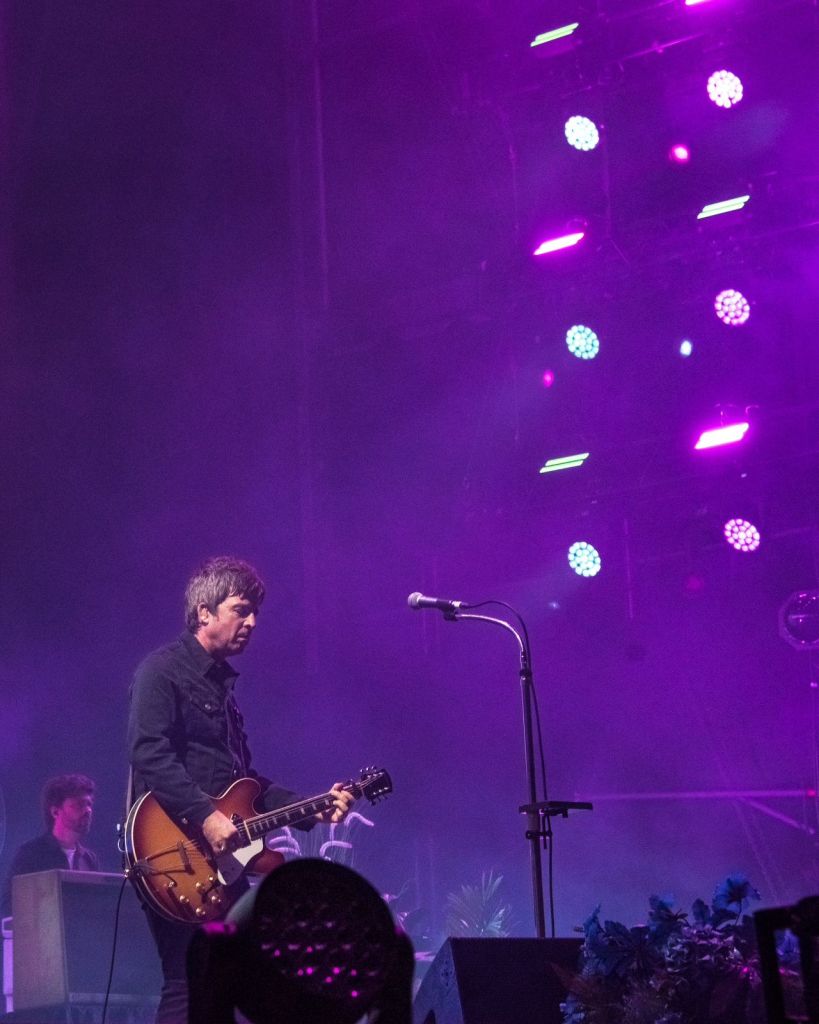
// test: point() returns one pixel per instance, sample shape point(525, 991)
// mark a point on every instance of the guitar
point(175, 870)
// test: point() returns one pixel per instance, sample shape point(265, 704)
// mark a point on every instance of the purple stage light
point(584, 559)
point(679, 153)
point(729, 434)
point(563, 242)
point(581, 133)
point(732, 307)
point(582, 342)
point(548, 378)
point(742, 535)
point(724, 88)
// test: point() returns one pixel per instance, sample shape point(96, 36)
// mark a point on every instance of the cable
point(113, 952)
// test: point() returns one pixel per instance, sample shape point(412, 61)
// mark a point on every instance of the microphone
point(417, 601)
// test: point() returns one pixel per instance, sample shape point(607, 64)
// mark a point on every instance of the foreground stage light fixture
point(718, 436)
point(565, 462)
point(582, 342)
point(725, 89)
point(732, 307)
point(799, 620)
point(741, 535)
point(725, 206)
point(555, 33)
point(581, 133)
point(563, 242)
point(313, 943)
point(584, 559)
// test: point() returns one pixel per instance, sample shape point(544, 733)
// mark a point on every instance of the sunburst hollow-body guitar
point(177, 874)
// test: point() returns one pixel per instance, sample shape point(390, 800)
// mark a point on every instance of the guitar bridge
point(183, 856)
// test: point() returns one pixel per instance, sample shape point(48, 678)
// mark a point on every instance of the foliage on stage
point(479, 911)
point(678, 968)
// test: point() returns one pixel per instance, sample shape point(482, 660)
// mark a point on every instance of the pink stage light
point(718, 436)
point(732, 307)
point(725, 88)
point(742, 535)
point(553, 244)
point(679, 154)
point(548, 378)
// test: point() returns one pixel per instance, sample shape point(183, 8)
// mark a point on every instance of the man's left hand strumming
point(341, 807)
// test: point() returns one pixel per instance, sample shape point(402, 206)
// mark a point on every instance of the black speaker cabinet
point(63, 935)
point(496, 981)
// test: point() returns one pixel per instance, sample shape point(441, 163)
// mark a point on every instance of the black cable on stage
point(113, 952)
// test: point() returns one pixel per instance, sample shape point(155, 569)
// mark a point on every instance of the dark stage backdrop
point(179, 382)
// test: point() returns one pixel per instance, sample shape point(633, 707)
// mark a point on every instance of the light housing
point(581, 133)
point(725, 88)
point(582, 341)
point(584, 559)
point(742, 535)
point(732, 307)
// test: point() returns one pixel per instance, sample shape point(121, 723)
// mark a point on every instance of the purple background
point(243, 317)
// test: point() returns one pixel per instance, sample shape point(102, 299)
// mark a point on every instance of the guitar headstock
point(373, 783)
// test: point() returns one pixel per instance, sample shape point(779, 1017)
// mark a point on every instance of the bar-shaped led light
point(556, 33)
point(729, 434)
point(553, 244)
point(566, 462)
point(726, 206)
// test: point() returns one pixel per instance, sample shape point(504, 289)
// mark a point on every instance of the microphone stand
point(534, 830)
point(538, 813)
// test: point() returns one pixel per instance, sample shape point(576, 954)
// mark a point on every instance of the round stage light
point(732, 307)
point(582, 133)
point(548, 378)
point(686, 348)
point(742, 535)
point(679, 154)
point(584, 559)
point(582, 341)
point(724, 88)
point(799, 620)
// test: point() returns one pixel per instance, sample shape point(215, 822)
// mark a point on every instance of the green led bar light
point(726, 206)
point(567, 462)
point(556, 33)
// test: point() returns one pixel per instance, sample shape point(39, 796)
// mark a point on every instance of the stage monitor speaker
point(63, 936)
point(496, 981)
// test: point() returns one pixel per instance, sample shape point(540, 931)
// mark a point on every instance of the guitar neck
point(259, 825)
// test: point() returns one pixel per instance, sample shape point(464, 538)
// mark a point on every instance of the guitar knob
point(215, 900)
point(200, 912)
point(171, 884)
point(184, 900)
point(199, 887)
point(211, 879)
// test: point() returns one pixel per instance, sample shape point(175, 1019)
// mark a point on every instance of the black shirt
point(185, 733)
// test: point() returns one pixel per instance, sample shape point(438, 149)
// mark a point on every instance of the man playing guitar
point(187, 742)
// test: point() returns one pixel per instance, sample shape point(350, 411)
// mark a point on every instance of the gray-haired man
point(186, 737)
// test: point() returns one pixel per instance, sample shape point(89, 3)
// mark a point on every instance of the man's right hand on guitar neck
point(219, 830)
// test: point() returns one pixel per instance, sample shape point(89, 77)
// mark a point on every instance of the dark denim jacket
point(178, 732)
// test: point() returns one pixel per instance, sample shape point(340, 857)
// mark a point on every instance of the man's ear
point(203, 614)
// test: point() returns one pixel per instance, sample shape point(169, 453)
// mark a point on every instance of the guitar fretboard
point(260, 825)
